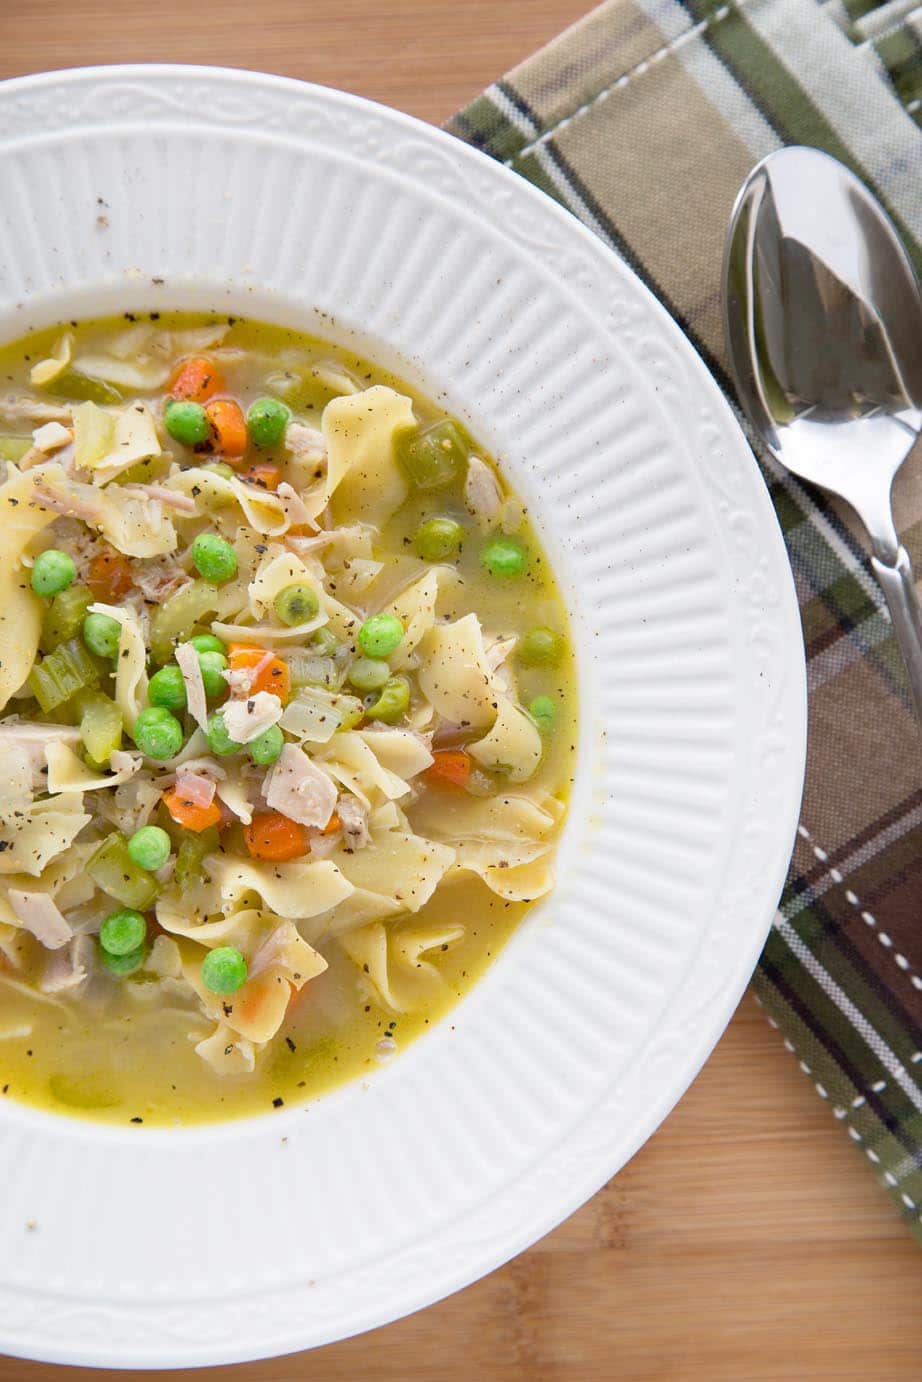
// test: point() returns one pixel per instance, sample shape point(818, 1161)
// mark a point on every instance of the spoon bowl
point(823, 320)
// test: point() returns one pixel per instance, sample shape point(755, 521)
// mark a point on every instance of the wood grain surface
point(748, 1239)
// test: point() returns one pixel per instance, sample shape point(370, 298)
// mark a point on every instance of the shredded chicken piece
point(195, 787)
point(299, 789)
point(172, 498)
point(17, 410)
point(40, 914)
point(188, 663)
point(158, 577)
point(305, 441)
point(246, 720)
point(51, 436)
point(68, 969)
point(481, 492)
point(33, 738)
point(296, 511)
point(354, 817)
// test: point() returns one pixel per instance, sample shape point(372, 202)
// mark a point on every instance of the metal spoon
point(823, 318)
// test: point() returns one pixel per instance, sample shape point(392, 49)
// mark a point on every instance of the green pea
point(166, 688)
point(124, 965)
point(541, 645)
point(325, 642)
point(157, 733)
point(186, 422)
point(149, 848)
point(503, 556)
point(101, 634)
point(368, 674)
point(207, 643)
point(212, 665)
point(267, 419)
point(214, 558)
point(224, 970)
point(52, 572)
point(543, 710)
point(392, 703)
point(266, 748)
point(296, 604)
point(381, 635)
point(219, 741)
point(438, 539)
point(122, 931)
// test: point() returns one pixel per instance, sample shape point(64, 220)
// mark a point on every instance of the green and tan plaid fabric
point(643, 120)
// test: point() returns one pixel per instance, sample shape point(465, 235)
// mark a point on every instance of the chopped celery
point(192, 851)
point(64, 616)
point(14, 448)
point(307, 670)
point(433, 456)
point(114, 871)
point(100, 726)
point(174, 621)
point(79, 387)
point(62, 674)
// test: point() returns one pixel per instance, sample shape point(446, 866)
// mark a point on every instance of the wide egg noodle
point(300, 888)
point(50, 827)
point(392, 961)
point(130, 663)
point(363, 477)
point(455, 676)
point(415, 608)
point(68, 773)
point(513, 745)
point(20, 610)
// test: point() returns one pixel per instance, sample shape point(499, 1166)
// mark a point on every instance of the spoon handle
point(898, 587)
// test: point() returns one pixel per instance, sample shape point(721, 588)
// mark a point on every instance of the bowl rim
point(770, 533)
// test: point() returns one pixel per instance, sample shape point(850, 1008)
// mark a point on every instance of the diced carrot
point(197, 379)
point(228, 427)
point(333, 826)
point(274, 837)
point(188, 815)
point(108, 574)
point(450, 767)
point(264, 474)
point(274, 676)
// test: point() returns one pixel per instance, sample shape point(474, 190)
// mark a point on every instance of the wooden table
point(767, 1254)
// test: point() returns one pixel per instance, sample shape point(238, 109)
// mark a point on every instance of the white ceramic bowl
point(156, 186)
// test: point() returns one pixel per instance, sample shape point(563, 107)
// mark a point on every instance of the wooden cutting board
point(747, 1240)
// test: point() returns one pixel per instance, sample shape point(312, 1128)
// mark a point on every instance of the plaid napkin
point(643, 120)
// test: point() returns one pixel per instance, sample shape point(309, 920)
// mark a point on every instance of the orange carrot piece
point(228, 427)
point(274, 676)
point(450, 767)
point(108, 574)
point(197, 379)
point(274, 837)
point(333, 826)
point(187, 814)
point(263, 474)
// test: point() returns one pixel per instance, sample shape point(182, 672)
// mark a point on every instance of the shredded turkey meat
point(39, 914)
point(299, 789)
point(246, 720)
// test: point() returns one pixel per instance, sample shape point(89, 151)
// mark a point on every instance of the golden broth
point(132, 1060)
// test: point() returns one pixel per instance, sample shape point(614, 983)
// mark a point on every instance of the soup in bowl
point(288, 716)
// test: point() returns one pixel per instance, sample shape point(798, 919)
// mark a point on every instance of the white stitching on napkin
point(905, 1167)
point(867, 917)
point(621, 82)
